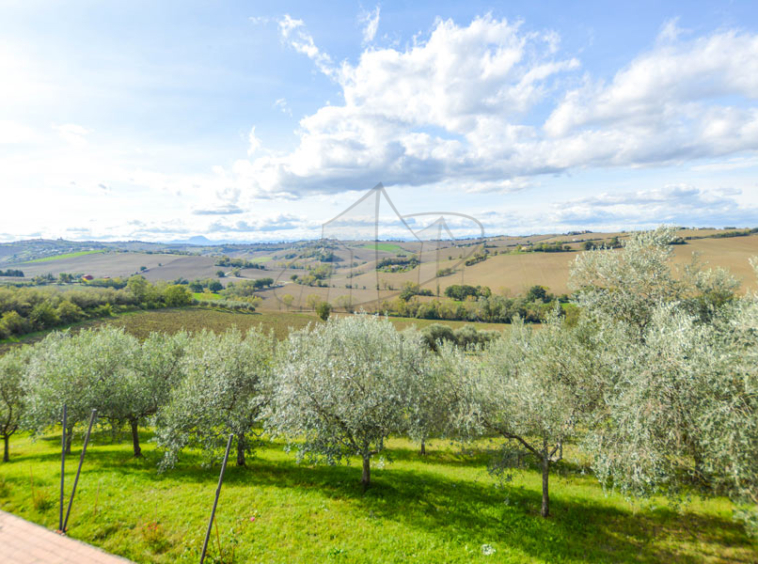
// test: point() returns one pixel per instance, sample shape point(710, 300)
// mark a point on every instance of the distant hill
point(363, 271)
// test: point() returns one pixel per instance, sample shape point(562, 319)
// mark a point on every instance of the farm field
point(142, 323)
point(444, 507)
point(65, 256)
point(99, 264)
point(508, 272)
point(386, 247)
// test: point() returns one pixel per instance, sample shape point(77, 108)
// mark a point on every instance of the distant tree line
point(613, 243)
point(27, 309)
point(739, 233)
point(316, 276)
point(239, 263)
point(557, 247)
point(12, 272)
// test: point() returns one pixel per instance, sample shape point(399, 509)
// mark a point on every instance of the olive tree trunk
point(545, 486)
point(6, 449)
point(241, 444)
point(135, 438)
point(69, 438)
point(366, 478)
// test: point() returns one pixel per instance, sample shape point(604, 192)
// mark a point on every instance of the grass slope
point(66, 256)
point(386, 247)
point(439, 508)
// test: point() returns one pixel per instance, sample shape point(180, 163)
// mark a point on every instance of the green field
point(204, 296)
point(444, 507)
point(65, 256)
point(387, 247)
point(261, 259)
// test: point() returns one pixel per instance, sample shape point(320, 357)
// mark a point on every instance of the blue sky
point(237, 120)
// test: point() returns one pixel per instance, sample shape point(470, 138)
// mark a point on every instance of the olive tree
point(433, 386)
point(223, 390)
point(648, 433)
point(83, 371)
point(342, 389)
point(678, 405)
point(12, 372)
point(143, 389)
point(627, 285)
point(524, 389)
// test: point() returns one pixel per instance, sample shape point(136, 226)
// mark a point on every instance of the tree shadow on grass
point(460, 512)
point(469, 513)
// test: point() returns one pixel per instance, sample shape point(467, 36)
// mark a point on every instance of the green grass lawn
point(440, 508)
point(65, 256)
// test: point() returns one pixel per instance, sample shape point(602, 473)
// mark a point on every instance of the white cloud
point(281, 105)
point(370, 21)
point(678, 204)
point(438, 110)
point(253, 142)
point(72, 133)
point(670, 31)
point(293, 33)
point(463, 106)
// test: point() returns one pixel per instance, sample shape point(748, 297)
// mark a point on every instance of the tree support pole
point(215, 501)
point(63, 468)
point(78, 471)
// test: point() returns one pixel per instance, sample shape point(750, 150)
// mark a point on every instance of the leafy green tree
point(345, 302)
point(430, 390)
point(84, 372)
point(312, 301)
point(224, 388)
point(69, 312)
point(676, 378)
point(44, 316)
point(323, 310)
point(142, 390)
point(288, 299)
point(11, 323)
point(627, 285)
point(177, 295)
point(538, 294)
point(525, 392)
point(138, 286)
point(12, 394)
point(342, 389)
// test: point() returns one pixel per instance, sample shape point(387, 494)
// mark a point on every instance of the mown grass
point(65, 256)
point(440, 508)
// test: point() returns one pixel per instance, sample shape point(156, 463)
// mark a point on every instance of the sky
point(244, 121)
